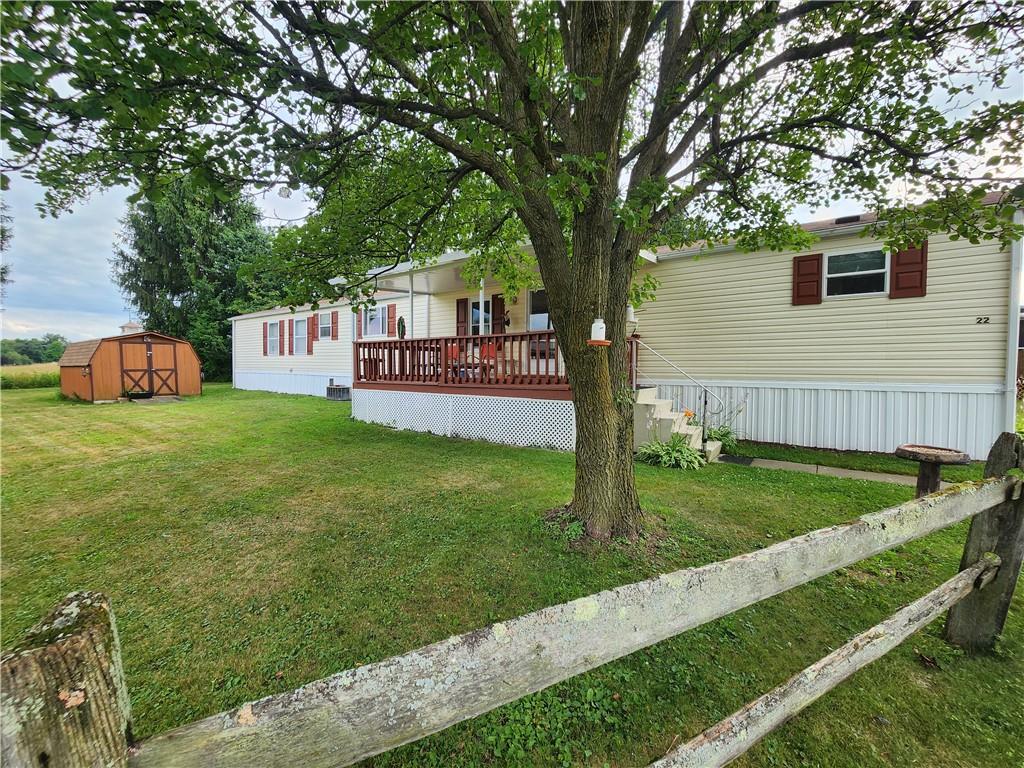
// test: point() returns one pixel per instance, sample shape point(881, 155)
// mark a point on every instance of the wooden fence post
point(974, 623)
point(64, 700)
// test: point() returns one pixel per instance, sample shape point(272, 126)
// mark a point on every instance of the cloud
point(29, 322)
point(59, 267)
point(279, 209)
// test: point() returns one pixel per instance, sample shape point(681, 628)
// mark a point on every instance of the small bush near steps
point(675, 454)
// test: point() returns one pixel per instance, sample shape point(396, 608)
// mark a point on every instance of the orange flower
point(688, 413)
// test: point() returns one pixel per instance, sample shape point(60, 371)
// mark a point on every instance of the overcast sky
point(61, 267)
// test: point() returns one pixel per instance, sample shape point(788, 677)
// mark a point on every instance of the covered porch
point(525, 364)
point(458, 338)
point(474, 361)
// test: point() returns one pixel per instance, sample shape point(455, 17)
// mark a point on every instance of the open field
point(30, 376)
point(252, 542)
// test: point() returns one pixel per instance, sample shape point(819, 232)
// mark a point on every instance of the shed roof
point(79, 352)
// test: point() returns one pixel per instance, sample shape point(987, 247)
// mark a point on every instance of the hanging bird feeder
point(597, 338)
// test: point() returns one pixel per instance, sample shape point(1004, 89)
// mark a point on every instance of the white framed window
point(478, 325)
point(299, 340)
point(325, 325)
point(272, 339)
point(540, 319)
point(862, 272)
point(375, 321)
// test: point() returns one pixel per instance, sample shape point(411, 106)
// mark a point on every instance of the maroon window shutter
point(359, 323)
point(498, 313)
point(291, 335)
point(280, 338)
point(392, 319)
point(264, 339)
point(807, 279)
point(334, 325)
point(908, 273)
point(316, 327)
point(310, 328)
point(462, 317)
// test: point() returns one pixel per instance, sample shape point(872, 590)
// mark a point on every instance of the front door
point(149, 367)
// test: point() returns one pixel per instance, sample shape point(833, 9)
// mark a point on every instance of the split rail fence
point(65, 702)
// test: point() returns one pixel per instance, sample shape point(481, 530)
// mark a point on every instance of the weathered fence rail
point(731, 737)
point(362, 712)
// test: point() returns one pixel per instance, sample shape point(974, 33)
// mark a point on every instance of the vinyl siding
point(329, 356)
point(730, 316)
point(442, 310)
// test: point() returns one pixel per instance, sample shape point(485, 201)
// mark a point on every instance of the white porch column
point(412, 308)
point(482, 331)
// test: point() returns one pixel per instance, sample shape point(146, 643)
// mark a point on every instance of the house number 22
point(981, 321)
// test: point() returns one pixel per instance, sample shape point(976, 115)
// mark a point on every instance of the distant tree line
point(190, 259)
point(48, 349)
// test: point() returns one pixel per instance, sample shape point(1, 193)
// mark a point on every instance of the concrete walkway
point(818, 469)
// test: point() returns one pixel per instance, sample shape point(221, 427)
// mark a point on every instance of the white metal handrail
point(656, 353)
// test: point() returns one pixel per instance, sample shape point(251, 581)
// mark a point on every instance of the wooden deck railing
point(506, 360)
point(64, 694)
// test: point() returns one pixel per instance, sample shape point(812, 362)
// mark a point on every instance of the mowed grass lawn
point(252, 542)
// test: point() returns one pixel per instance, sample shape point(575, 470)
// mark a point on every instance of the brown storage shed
point(143, 363)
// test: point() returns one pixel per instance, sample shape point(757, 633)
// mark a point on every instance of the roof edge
point(269, 312)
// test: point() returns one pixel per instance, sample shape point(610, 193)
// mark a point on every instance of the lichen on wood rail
point(63, 698)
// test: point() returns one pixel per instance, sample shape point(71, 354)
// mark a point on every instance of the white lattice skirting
point(509, 420)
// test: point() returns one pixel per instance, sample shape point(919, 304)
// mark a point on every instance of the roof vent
point(848, 219)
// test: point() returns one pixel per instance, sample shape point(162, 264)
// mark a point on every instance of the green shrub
point(725, 435)
point(676, 454)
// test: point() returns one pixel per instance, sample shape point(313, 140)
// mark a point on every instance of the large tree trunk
point(605, 498)
point(595, 280)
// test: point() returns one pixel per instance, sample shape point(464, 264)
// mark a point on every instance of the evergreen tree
point(185, 263)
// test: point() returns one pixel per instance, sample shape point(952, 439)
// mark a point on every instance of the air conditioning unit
point(338, 392)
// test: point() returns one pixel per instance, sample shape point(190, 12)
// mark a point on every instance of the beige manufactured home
point(845, 346)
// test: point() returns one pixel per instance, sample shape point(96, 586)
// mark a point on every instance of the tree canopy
point(729, 113)
point(47, 349)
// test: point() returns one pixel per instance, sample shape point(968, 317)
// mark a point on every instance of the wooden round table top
point(932, 454)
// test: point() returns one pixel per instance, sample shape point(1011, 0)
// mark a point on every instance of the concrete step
point(650, 423)
point(693, 434)
point(680, 420)
point(712, 450)
point(662, 407)
point(646, 395)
